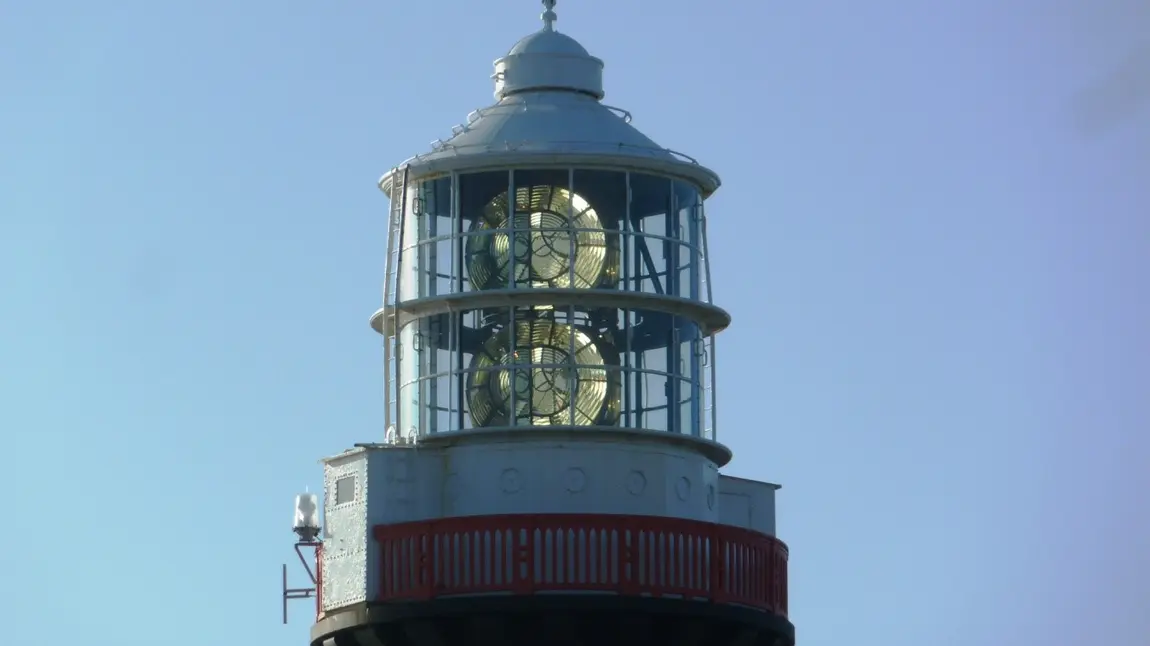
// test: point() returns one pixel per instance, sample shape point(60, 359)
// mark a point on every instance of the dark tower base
point(592, 620)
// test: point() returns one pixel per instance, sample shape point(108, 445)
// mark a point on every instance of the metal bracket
point(314, 575)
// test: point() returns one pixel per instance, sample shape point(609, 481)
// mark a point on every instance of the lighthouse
point(549, 472)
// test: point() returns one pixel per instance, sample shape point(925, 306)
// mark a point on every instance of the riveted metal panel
point(345, 532)
point(376, 484)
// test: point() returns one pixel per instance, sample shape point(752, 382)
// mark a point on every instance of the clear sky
point(932, 236)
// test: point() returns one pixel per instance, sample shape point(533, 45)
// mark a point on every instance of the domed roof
point(548, 60)
point(548, 42)
point(549, 89)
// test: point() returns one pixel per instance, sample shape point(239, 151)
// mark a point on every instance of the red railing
point(626, 555)
point(319, 582)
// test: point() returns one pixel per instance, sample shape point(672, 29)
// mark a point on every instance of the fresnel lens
point(546, 368)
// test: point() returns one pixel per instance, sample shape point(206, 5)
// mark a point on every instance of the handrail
point(475, 115)
point(620, 112)
point(523, 554)
point(573, 146)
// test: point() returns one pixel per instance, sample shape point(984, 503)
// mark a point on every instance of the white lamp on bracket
point(306, 523)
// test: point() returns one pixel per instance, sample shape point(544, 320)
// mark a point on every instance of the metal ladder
point(709, 348)
point(395, 220)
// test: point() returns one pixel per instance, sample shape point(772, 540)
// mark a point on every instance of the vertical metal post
point(638, 377)
point(714, 400)
point(573, 370)
point(399, 421)
point(673, 389)
point(626, 239)
point(698, 343)
point(512, 283)
point(459, 396)
point(429, 387)
point(285, 593)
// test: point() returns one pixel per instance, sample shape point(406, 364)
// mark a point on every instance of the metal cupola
point(549, 469)
point(549, 89)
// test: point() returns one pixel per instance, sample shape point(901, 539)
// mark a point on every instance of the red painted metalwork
point(628, 555)
point(318, 581)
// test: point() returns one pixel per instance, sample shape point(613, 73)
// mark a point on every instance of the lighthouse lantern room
point(549, 471)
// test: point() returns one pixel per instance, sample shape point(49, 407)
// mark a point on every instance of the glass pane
point(647, 242)
point(556, 367)
point(485, 220)
point(661, 387)
point(601, 207)
point(426, 260)
point(687, 201)
point(551, 364)
point(543, 368)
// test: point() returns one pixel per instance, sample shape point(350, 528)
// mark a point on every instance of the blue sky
point(928, 236)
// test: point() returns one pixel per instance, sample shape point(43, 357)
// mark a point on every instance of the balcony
point(549, 554)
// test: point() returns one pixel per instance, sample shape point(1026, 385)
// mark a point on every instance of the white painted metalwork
point(549, 16)
point(549, 131)
point(549, 331)
point(395, 222)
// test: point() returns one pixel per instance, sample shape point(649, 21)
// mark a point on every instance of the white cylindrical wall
point(634, 477)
